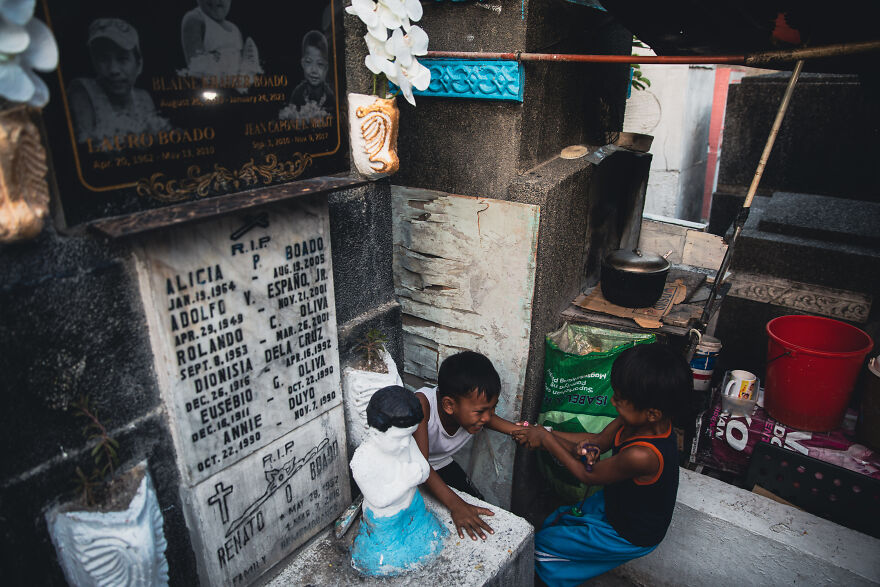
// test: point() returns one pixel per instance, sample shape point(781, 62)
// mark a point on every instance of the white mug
point(741, 385)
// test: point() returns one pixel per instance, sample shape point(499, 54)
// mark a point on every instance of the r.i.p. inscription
point(243, 325)
point(251, 515)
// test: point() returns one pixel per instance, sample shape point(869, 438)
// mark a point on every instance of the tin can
point(703, 361)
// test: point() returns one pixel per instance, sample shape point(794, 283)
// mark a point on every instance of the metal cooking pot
point(633, 279)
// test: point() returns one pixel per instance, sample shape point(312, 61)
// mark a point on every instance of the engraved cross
point(219, 498)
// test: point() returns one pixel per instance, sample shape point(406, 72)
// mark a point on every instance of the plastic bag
point(577, 390)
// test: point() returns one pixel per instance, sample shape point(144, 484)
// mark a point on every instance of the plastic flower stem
point(383, 86)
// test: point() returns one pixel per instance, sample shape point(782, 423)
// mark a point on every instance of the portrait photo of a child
point(312, 97)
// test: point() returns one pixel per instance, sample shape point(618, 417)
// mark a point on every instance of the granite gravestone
point(243, 327)
point(167, 101)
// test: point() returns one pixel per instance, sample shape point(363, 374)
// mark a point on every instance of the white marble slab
point(505, 559)
point(464, 274)
point(250, 515)
point(243, 326)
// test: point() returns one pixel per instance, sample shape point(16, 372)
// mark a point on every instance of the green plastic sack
point(577, 391)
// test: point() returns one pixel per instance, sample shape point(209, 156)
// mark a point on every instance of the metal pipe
point(753, 59)
point(565, 58)
point(758, 59)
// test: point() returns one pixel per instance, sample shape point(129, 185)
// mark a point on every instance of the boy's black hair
point(317, 40)
point(466, 371)
point(653, 376)
point(393, 406)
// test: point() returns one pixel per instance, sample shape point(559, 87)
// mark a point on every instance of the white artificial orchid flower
point(366, 10)
point(25, 44)
point(394, 56)
point(13, 37)
point(415, 75)
point(413, 10)
point(404, 46)
point(390, 20)
point(17, 11)
point(378, 60)
point(405, 10)
point(375, 15)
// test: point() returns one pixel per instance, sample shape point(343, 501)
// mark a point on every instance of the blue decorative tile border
point(480, 80)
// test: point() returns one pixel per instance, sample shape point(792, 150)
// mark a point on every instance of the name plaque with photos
point(173, 101)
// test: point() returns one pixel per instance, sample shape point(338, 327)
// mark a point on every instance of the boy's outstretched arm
point(635, 461)
point(501, 425)
point(605, 439)
point(465, 516)
point(575, 441)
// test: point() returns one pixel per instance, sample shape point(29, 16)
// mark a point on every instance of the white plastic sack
point(357, 389)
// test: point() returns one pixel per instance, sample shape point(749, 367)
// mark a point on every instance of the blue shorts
point(571, 549)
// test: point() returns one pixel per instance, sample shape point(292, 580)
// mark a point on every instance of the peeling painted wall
point(464, 275)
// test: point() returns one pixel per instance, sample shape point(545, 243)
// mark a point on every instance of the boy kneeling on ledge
point(630, 516)
point(462, 404)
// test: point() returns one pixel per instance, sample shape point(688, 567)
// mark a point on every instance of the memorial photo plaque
point(243, 326)
point(175, 100)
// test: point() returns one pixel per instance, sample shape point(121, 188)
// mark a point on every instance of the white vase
point(357, 388)
point(373, 124)
point(116, 548)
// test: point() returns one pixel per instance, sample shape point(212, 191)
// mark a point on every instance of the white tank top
point(441, 445)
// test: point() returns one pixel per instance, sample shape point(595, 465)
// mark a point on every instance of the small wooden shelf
point(678, 322)
point(139, 222)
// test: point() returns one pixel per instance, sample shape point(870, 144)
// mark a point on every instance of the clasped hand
point(529, 435)
point(588, 453)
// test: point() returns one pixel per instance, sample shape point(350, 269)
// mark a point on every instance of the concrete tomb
point(243, 327)
point(505, 558)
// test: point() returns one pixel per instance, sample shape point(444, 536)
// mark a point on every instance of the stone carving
point(805, 297)
point(397, 531)
point(242, 320)
point(221, 179)
point(481, 80)
point(374, 122)
point(24, 193)
point(116, 548)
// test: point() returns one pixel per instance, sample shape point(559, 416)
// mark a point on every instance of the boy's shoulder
point(427, 396)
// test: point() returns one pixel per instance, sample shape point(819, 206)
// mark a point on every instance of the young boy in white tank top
point(462, 404)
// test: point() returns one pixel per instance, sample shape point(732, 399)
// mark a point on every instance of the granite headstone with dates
point(243, 327)
point(161, 102)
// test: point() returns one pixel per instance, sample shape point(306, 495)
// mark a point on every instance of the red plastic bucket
point(812, 367)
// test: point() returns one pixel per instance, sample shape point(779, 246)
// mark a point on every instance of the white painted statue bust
point(397, 531)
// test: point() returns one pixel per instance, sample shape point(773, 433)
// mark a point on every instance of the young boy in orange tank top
point(629, 518)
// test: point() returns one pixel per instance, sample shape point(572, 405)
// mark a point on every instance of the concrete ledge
point(504, 559)
point(724, 535)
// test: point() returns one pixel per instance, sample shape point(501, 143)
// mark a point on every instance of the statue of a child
point(397, 531)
